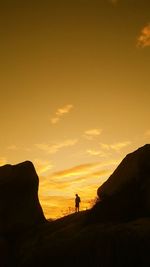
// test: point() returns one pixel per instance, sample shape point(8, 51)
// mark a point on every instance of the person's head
point(76, 195)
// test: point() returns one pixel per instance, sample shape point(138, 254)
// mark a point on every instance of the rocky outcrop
point(90, 238)
point(126, 193)
point(19, 205)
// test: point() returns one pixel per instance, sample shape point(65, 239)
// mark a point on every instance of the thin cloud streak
point(116, 146)
point(96, 153)
point(84, 174)
point(92, 133)
point(119, 146)
point(144, 38)
point(42, 166)
point(60, 113)
point(52, 149)
point(76, 170)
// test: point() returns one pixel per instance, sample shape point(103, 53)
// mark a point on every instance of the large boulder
point(19, 205)
point(126, 193)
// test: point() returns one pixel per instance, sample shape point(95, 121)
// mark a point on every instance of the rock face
point(19, 204)
point(127, 191)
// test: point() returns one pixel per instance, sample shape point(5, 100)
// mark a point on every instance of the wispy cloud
point(76, 170)
point(92, 133)
point(64, 110)
point(61, 112)
point(119, 146)
point(144, 38)
point(106, 150)
point(42, 166)
point(93, 152)
point(116, 146)
point(52, 149)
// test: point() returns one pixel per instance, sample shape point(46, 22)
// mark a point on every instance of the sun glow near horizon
point(57, 190)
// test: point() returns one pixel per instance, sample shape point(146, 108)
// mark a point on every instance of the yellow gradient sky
point(74, 91)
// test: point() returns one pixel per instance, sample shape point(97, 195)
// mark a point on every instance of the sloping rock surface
point(126, 194)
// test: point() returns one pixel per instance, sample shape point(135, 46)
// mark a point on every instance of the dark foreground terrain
point(114, 233)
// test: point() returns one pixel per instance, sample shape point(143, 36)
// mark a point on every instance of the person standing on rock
point(77, 203)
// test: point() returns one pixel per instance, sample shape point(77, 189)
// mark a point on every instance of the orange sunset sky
point(75, 91)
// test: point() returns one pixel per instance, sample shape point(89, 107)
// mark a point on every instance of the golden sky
point(74, 94)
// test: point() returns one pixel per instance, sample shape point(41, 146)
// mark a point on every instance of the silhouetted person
point(77, 203)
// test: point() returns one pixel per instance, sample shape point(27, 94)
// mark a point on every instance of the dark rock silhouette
point(126, 194)
point(19, 204)
point(114, 233)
